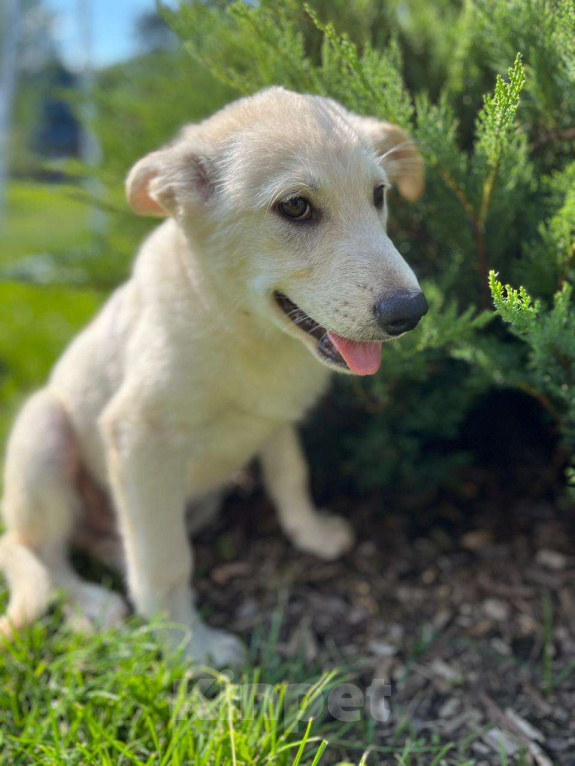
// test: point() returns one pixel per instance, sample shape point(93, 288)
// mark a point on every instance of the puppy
point(272, 269)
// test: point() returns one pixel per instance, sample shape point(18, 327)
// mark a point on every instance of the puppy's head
point(285, 195)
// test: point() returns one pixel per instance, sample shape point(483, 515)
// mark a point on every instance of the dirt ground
point(467, 610)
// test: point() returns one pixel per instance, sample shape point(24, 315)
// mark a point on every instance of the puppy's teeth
point(326, 347)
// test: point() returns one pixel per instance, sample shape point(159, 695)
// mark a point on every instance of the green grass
point(42, 218)
point(111, 698)
point(36, 323)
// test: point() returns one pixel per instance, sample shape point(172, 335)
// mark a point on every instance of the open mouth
point(359, 357)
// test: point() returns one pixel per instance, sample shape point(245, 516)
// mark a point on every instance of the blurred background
point(53, 225)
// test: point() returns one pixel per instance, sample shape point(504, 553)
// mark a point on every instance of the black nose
point(400, 312)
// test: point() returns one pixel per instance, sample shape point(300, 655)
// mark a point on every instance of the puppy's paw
point(7, 629)
point(217, 648)
point(327, 536)
point(93, 607)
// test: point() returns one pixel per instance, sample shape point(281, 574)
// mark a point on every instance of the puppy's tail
point(28, 582)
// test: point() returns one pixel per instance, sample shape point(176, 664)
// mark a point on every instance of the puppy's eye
point(296, 208)
point(379, 196)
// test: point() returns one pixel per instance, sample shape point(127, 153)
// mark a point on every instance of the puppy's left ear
point(398, 155)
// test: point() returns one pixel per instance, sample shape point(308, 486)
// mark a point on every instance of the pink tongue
point(362, 357)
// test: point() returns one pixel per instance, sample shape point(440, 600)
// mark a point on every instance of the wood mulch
point(470, 617)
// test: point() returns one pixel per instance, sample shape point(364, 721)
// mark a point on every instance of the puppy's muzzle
point(400, 312)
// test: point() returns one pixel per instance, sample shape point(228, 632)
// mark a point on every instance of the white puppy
point(272, 269)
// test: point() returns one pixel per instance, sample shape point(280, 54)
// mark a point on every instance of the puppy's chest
point(273, 382)
point(242, 410)
point(277, 389)
point(224, 443)
point(230, 411)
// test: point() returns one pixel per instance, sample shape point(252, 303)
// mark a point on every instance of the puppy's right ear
point(397, 153)
point(142, 190)
point(168, 181)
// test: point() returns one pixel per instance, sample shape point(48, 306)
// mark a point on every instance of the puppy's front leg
point(286, 479)
point(147, 465)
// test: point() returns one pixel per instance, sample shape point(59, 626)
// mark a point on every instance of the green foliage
point(549, 371)
point(496, 121)
point(514, 306)
point(544, 32)
point(549, 258)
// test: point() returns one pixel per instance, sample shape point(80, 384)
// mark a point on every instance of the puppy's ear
point(165, 182)
point(398, 155)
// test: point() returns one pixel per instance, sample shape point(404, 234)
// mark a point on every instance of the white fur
point(191, 368)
